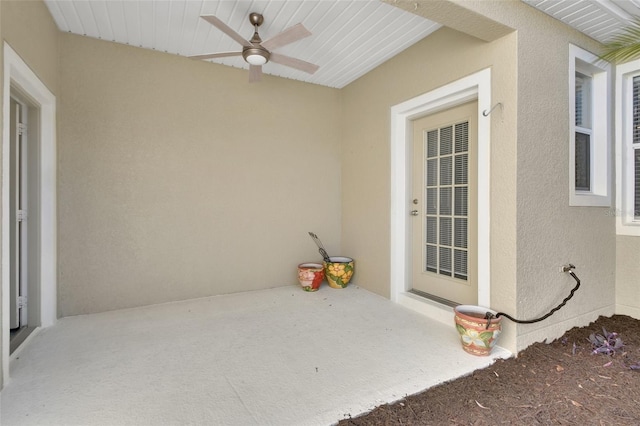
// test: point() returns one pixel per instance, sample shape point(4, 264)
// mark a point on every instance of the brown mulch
point(547, 384)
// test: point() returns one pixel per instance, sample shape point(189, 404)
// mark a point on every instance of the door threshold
point(429, 307)
point(434, 298)
point(18, 337)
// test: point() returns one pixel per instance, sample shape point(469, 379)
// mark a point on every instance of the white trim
point(625, 221)
point(585, 62)
point(17, 73)
point(632, 311)
point(555, 330)
point(476, 86)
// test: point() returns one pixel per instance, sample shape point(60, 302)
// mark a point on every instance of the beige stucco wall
point(444, 57)
point(28, 27)
point(179, 179)
point(550, 232)
point(534, 231)
point(31, 31)
point(628, 276)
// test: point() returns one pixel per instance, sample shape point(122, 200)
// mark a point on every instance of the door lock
point(415, 201)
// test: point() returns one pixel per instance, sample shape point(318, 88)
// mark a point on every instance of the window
point(635, 148)
point(628, 148)
point(589, 153)
point(583, 132)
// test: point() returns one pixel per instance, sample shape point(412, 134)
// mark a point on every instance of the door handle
point(414, 212)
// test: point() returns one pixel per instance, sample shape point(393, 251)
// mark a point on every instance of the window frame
point(599, 194)
point(626, 222)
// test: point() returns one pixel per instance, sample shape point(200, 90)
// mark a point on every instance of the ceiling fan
point(257, 52)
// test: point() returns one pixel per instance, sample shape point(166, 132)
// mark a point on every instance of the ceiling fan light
point(256, 59)
point(255, 55)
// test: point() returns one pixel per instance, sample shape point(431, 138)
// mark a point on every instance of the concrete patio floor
point(271, 357)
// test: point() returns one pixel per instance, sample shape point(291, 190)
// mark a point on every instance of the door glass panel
point(446, 140)
point(462, 167)
point(432, 201)
point(432, 230)
point(462, 137)
point(445, 171)
point(460, 236)
point(445, 261)
point(432, 144)
point(432, 172)
point(447, 200)
point(460, 264)
point(445, 231)
point(460, 201)
point(432, 258)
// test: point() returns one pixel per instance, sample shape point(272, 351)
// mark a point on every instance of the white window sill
point(589, 200)
point(628, 229)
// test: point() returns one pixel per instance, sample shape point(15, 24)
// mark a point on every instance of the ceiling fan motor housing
point(255, 55)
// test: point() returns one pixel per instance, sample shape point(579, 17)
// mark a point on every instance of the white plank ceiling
point(350, 37)
point(599, 19)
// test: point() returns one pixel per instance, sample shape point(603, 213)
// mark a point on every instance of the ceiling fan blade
point(287, 36)
point(298, 64)
point(226, 29)
point(255, 73)
point(216, 55)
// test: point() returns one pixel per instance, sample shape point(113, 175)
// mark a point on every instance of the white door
point(444, 206)
point(17, 208)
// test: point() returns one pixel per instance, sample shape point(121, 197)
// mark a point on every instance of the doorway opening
point(475, 87)
point(29, 250)
point(23, 204)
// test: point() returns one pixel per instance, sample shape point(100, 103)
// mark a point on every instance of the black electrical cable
point(489, 316)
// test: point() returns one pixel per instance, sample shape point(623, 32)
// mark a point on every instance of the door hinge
point(22, 301)
point(22, 128)
point(22, 215)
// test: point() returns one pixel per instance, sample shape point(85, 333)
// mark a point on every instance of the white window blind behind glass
point(583, 100)
point(583, 132)
point(636, 146)
point(447, 200)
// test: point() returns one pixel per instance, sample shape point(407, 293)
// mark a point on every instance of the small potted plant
point(310, 276)
point(478, 334)
point(338, 270)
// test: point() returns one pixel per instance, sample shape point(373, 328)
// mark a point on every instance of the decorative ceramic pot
point(475, 336)
point(339, 271)
point(310, 276)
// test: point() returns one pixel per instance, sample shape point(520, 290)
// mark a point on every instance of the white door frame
point(18, 74)
point(473, 87)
